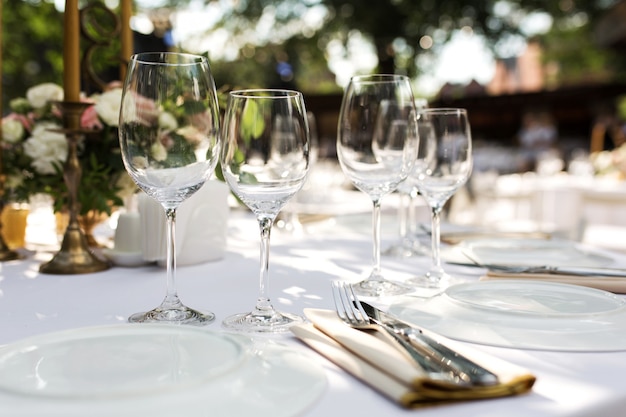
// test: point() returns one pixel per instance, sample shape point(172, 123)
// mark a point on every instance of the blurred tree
point(400, 30)
point(288, 41)
point(569, 48)
point(32, 40)
point(32, 52)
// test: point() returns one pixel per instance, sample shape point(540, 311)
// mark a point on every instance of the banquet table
point(301, 268)
point(583, 207)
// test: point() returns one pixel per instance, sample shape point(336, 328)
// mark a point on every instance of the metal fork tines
point(351, 312)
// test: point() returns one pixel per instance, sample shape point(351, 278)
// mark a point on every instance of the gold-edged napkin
point(373, 357)
point(612, 284)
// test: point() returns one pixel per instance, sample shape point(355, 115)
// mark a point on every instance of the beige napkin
point(373, 358)
point(612, 284)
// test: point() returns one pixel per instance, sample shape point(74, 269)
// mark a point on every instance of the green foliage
point(32, 47)
point(252, 122)
point(32, 39)
point(394, 27)
point(578, 59)
point(95, 191)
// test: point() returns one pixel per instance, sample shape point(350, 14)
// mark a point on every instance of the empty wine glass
point(376, 146)
point(446, 139)
point(408, 243)
point(169, 138)
point(265, 160)
point(289, 219)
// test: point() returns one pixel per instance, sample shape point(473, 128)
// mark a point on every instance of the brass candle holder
point(74, 257)
point(6, 254)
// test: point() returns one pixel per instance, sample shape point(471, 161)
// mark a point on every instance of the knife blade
point(576, 270)
point(589, 271)
point(453, 361)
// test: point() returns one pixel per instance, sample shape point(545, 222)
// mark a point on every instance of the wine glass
point(376, 146)
point(408, 243)
point(289, 219)
point(169, 138)
point(446, 139)
point(265, 160)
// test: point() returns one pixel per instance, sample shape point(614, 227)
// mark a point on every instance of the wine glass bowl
point(446, 164)
point(169, 139)
point(265, 161)
point(376, 148)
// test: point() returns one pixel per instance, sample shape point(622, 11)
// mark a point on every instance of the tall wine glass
point(408, 244)
point(265, 160)
point(376, 147)
point(445, 136)
point(169, 137)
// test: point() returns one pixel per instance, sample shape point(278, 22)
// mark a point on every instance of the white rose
point(39, 95)
point(14, 181)
point(12, 130)
point(191, 134)
point(126, 185)
point(167, 121)
point(140, 162)
point(46, 148)
point(108, 106)
point(158, 151)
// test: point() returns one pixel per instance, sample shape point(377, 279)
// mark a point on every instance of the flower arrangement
point(34, 151)
point(148, 122)
point(610, 163)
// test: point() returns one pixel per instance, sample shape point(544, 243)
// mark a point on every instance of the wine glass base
point(274, 322)
point(406, 250)
point(432, 284)
point(380, 288)
point(179, 315)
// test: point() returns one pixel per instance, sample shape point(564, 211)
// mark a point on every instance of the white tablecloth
point(302, 267)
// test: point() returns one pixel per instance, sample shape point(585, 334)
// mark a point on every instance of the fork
point(351, 312)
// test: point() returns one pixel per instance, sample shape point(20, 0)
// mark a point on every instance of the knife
point(442, 355)
point(582, 271)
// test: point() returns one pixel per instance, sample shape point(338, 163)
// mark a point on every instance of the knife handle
point(433, 369)
point(465, 368)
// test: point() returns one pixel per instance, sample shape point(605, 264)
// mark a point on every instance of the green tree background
point(32, 38)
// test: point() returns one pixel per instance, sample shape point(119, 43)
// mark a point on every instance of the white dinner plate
point(524, 315)
point(112, 361)
point(155, 370)
point(532, 252)
point(543, 299)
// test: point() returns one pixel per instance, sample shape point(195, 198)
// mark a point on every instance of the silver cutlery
point(582, 271)
point(437, 360)
point(349, 314)
point(447, 357)
point(559, 270)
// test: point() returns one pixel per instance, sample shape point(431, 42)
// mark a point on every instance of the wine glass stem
point(403, 214)
point(436, 240)
point(171, 297)
point(263, 302)
point(411, 216)
point(376, 234)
